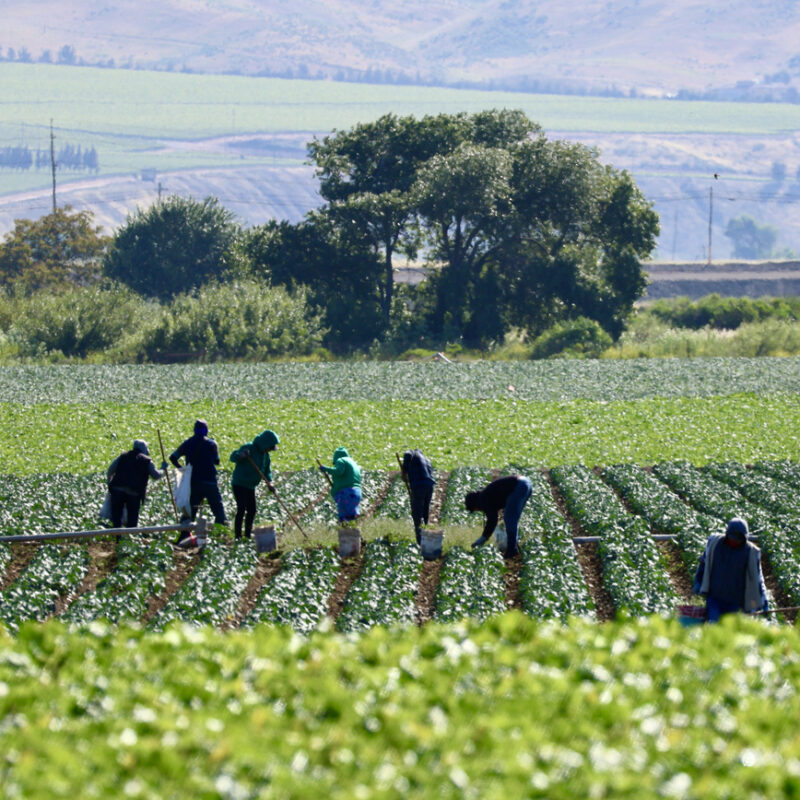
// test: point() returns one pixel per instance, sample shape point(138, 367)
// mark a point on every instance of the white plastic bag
point(183, 490)
point(105, 510)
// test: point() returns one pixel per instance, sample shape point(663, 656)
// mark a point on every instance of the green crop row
point(510, 707)
point(558, 380)
point(51, 574)
point(634, 573)
point(385, 591)
point(298, 594)
point(470, 585)
point(84, 439)
point(211, 594)
point(125, 593)
point(551, 583)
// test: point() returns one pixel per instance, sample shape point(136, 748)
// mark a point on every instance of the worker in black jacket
point(127, 477)
point(201, 451)
point(508, 494)
point(418, 472)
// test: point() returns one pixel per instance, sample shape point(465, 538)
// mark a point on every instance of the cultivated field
point(444, 663)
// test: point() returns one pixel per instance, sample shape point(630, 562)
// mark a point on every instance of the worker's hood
point(340, 452)
point(266, 440)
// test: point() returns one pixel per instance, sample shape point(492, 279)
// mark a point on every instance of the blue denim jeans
point(716, 608)
point(513, 511)
point(347, 503)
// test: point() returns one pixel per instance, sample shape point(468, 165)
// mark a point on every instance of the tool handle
point(166, 472)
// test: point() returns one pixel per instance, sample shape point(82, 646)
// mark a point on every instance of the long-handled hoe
point(277, 496)
point(166, 472)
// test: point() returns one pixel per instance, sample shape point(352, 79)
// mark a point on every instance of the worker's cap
point(737, 529)
point(140, 445)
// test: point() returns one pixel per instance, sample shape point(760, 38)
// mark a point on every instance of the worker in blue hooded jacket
point(345, 484)
point(252, 461)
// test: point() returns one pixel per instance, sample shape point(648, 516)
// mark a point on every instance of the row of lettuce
point(621, 505)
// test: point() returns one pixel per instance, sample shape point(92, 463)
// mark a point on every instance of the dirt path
point(185, 564)
point(350, 570)
point(268, 567)
point(21, 555)
point(426, 594)
point(511, 579)
point(588, 560)
point(102, 560)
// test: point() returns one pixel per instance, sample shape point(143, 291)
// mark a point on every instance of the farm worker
point(345, 484)
point(202, 453)
point(127, 477)
point(252, 461)
point(418, 473)
point(729, 573)
point(509, 494)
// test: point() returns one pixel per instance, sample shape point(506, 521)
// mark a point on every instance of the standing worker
point(127, 477)
point(252, 461)
point(202, 453)
point(418, 472)
point(509, 494)
point(345, 484)
point(729, 573)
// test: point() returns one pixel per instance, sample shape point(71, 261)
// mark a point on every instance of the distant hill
point(728, 48)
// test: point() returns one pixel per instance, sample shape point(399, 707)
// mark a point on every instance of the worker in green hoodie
point(345, 484)
point(252, 461)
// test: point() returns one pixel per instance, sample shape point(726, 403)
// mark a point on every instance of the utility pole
point(53, 162)
point(159, 191)
point(710, 217)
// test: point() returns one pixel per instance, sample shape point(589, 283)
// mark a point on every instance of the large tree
point(334, 260)
point(367, 172)
point(57, 251)
point(528, 232)
point(173, 246)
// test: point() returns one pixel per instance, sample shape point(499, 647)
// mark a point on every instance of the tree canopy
point(55, 252)
point(519, 230)
point(173, 246)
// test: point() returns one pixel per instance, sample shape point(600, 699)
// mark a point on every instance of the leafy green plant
point(470, 585)
point(386, 589)
point(298, 594)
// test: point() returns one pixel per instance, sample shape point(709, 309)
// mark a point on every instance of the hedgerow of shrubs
point(110, 323)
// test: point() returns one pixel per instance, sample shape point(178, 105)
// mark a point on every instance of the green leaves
point(385, 592)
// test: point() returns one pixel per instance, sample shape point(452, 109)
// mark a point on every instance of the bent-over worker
point(508, 494)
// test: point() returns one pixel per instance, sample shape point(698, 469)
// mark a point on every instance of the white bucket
point(500, 537)
point(266, 541)
point(349, 542)
point(431, 544)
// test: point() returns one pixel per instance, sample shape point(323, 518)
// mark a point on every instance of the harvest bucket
point(500, 538)
point(349, 542)
point(266, 540)
point(431, 544)
point(691, 615)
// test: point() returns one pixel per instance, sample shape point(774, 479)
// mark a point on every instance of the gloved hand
point(245, 453)
point(321, 468)
point(479, 542)
point(271, 488)
point(163, 465)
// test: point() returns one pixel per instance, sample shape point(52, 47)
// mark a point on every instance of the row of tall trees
point(518, 231)
point(69, 156)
